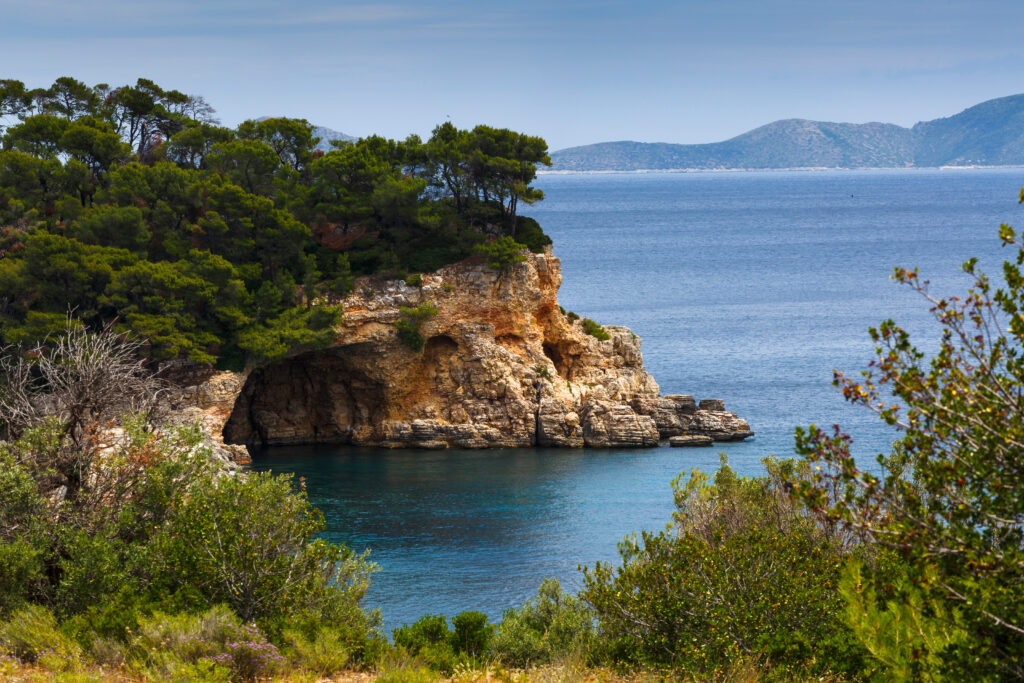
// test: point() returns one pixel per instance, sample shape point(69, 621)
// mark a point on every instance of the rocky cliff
point(501, 366)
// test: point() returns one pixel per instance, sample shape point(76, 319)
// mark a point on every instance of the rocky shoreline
point(502, 366)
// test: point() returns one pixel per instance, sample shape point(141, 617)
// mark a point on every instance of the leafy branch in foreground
point(949, 499)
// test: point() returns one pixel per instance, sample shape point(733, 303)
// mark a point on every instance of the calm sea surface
point(749, 287)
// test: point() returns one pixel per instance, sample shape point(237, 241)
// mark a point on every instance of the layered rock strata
point(501, 366)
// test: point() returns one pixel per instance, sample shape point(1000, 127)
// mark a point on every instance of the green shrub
point(429, 639)
point(32, 632)
point(906, 635)
point(429, 629)
point(399, 667)
point(414, 280)
point(409, 322)
point(550, 627)
point(92, 564)
point(502, 253)
point(20, 567)
point(529, 232)
point(323, 654)
point(744, 573)
point(22, 539)
point(471, 633)
point(109, 652)
point(595, 330)
point(572, 317)
point(172, 645)
point(250, 542)
point(948, 497)
point(342, 282)
point(407, 674)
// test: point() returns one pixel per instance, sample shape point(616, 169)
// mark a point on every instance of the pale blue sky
point(573, 72)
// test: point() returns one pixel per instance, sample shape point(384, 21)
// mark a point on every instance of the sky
point(572, 72)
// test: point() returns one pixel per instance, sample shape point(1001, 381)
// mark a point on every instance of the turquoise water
point(749, 287)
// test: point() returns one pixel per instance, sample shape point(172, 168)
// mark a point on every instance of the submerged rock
point(501, 366)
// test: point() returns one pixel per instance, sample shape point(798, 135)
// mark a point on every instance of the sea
point(751, 287)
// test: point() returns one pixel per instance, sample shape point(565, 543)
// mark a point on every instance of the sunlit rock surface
point(501, 366)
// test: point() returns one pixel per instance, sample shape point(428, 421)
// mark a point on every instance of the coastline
point(779, 170)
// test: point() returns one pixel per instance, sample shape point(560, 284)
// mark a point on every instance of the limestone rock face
point(607, 425)
point(501, 366)
point(677, 415)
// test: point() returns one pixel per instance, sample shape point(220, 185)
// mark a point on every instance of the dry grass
point(569, 671)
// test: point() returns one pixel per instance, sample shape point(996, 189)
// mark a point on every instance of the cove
point(751, 287)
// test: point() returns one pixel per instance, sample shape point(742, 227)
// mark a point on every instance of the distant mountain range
point(987, 134)
point(326, 135)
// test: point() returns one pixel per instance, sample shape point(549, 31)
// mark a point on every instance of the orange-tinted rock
point(501, 367)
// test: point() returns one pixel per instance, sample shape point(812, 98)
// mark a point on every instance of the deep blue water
point(749, 287)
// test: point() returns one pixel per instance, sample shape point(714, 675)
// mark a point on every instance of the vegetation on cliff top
point(131, 204)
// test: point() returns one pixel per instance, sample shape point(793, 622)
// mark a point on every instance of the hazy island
point(987, 134)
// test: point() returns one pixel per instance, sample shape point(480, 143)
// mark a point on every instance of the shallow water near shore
point(749, 287)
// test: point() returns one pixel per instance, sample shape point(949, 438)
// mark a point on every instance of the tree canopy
point(132, 204)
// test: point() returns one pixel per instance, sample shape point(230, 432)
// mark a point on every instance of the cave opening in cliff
point(439, 346)
point(561, 360)
point(316, 397)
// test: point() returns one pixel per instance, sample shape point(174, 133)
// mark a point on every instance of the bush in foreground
point(552, 626)
point(429, 639)
point(742, 574)
point(131, 540)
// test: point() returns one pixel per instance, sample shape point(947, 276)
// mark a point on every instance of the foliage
point(22, 533)
point(484, 168)
point(323, 654)
point(249, 542)
point(414, 280)
point(429, 639)
point(169, 646)
point(125, 534)
point(502, 253)
point(471, 634)
point(409, 322)
point(293, 331)
point(595, 330)
point(903, 633)
point(743, 572)
point(398, 667)
point(948, 499)
point(530, 234)
point(131, 204)
point(32, 632)
point(550, 627)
